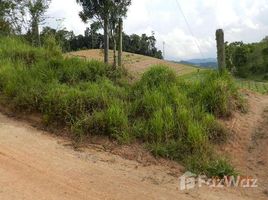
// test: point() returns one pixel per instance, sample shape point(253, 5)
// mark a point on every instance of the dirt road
point(34, 165)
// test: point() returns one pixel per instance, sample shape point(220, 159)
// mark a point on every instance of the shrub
point(157, 77)
point(117, 119)
point(23, 89)
point(173, 149)
point(50, 44)
point(63, 104)
point(215, 93)
point(112, 121)
point(220, 168)
point(217, 134)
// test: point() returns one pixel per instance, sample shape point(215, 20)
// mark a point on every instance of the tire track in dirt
point(248, 145)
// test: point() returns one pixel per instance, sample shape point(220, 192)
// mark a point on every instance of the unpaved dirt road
point(36, 166)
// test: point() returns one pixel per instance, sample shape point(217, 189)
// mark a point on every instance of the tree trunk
point(115, 58)
point(120, 47)
point(221, 49)
point(106, 41)
point(38, 36)
point(35, 33)
point(92, 46)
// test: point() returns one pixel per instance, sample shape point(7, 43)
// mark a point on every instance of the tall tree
point(107, 12)
point(118, 11)
point(120, 41)
point(98, 10)
point(37, 10)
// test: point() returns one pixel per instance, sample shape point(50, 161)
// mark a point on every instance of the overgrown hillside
point(174, 118)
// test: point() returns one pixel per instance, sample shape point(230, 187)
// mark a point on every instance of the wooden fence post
point(220, 49)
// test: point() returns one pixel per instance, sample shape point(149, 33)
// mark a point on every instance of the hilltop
point(136, 64)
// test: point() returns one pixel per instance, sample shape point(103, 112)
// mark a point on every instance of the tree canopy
point(92, 39)
point(107, 13)
point(247, 60)
point(36, 9)
point(11, 16)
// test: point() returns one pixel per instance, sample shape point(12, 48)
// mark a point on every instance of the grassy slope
point(174, 118)
point(256, 86)
point(253, 85)
point(135, 63)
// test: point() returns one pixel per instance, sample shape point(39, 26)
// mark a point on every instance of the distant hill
point(204, 63)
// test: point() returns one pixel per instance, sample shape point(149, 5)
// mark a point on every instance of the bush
point(157, 77)
point(117, 119)
point(215, 93)
point(217, 134)
point(50, 44)
point(220, 168)
point(23, 90)
point(112, 121)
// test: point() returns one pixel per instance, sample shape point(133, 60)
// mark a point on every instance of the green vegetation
point(143, 44)
point(173, 117)
point(256, 86)
point(248, 60)
point(249, 84)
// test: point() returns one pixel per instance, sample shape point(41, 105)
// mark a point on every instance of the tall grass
point(173, 117)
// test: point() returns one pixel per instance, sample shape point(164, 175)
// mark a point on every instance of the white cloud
point(242, 20)
point(67, 11)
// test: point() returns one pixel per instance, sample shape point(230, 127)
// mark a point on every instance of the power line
point(190, 30)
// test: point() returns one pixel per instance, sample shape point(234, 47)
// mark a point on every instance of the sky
point(242, 20)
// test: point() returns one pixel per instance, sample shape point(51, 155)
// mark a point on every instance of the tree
point(37, 10)
point(91, 39)
point(98, 10)
point(120, 41)
point(145, 45)
point(11, 16)
point(94, 27)
point(107, 13)
point(119, 10)
point(245, 59)
point(63, 37)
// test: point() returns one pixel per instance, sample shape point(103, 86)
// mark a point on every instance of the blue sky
point(242, 20)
